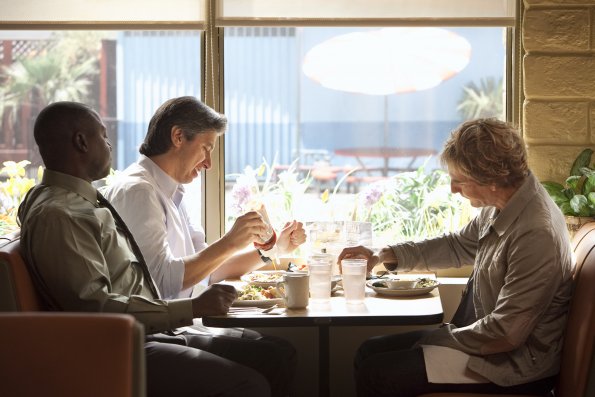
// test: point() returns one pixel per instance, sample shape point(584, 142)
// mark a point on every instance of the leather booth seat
point(61, 354)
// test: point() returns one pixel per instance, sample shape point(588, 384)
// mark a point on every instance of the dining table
point(386, 153)
point(376, 310)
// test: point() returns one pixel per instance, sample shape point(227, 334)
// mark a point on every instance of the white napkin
point(447, 365)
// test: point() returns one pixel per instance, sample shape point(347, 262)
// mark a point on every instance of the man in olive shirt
point(83, 258)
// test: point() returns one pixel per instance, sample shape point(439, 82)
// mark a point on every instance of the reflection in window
point(346, 124)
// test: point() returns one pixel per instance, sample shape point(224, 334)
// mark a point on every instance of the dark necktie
point(135, 248)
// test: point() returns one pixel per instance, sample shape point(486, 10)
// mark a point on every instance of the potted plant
point(576, 198)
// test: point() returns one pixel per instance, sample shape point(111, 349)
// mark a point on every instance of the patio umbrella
point(387, 61)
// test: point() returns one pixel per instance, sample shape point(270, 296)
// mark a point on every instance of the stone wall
point(559, 83)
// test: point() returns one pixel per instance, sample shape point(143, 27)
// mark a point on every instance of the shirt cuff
point(180, 312)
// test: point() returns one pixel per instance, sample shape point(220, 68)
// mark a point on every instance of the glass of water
point(354, 280)
point(320, 279)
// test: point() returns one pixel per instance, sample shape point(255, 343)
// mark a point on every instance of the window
point(336, 149)
point(280, 107)
point(111, 71)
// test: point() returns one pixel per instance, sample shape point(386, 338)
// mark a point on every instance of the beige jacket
point(523, 268)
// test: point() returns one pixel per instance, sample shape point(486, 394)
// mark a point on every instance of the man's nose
point(207, 162)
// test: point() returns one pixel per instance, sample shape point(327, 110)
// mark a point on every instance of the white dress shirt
point(151, 203)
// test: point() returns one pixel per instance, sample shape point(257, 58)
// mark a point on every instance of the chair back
point(577, 374)
point(71, 355)
point(17, 291)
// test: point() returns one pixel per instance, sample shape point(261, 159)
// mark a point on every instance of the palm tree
point(483, 100)
point(63, 72)
point(42, 80)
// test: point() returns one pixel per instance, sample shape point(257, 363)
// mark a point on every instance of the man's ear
point(177, 136)
point(80, 142)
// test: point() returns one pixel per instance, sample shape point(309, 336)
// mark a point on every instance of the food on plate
point(425, 282)
point(263, 277)
point(256, 293)
point(422, 282)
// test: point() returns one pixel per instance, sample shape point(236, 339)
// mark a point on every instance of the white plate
point(400, 292)
point(261, 278)
point(258, 303)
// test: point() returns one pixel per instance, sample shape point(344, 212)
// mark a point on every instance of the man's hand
point(245, 230)
point(359, 252)
point(292, 236)
point(215, 300)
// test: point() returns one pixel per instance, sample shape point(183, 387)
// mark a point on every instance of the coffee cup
point(295, 290)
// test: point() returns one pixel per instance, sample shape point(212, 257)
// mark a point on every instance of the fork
point(269, 309)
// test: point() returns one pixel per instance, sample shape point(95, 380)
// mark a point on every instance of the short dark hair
point(189, 114)
point(54, 127)
point(489, 151)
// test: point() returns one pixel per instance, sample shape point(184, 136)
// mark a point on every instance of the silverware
point(269, 309)
point(252, 309)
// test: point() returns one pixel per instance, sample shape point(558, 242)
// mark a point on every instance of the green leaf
point(589, 185)
point(556, 192)
point(591, 198)
point(582, 160)
point(580, 205)
point(568, 193)
point(573, 182)
point(566, 209)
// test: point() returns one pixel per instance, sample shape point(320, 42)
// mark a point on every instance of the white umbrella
point(387, 61)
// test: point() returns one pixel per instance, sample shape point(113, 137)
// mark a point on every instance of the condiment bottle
point(269, 237)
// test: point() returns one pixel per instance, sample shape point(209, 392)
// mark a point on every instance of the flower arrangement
point(408, 206)
point(277, 192)
point(412, 206)
point(12, 191)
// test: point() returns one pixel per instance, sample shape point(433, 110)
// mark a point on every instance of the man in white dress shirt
point(149, 196)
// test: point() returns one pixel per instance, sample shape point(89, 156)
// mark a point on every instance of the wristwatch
point(264, 258)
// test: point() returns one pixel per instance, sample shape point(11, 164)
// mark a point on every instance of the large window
point(111, 71)
point(346, 124)
point(337, 110)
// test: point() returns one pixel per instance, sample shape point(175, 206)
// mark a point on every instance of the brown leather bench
point(62, 354)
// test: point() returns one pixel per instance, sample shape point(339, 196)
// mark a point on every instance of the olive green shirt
point(82, 262)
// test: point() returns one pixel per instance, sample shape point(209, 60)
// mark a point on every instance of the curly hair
point(489, 151)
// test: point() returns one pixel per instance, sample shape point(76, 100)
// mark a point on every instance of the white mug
point(295, 290)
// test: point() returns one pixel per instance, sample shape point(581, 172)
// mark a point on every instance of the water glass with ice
point(354, 280)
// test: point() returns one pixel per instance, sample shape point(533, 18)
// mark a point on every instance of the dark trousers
point(218, 365)
point(390, 366)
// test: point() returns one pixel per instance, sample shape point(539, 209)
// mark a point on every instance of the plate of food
point(422, 286)
point(263, 278)
point(254, 295)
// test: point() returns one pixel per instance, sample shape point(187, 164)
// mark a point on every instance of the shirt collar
point(515, 206)
point(166, 183)
point(72, 183)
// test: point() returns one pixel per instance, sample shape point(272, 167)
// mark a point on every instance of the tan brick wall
point(559, 83)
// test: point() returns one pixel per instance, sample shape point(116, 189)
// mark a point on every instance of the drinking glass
point(320, 279)
point(354, 280)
